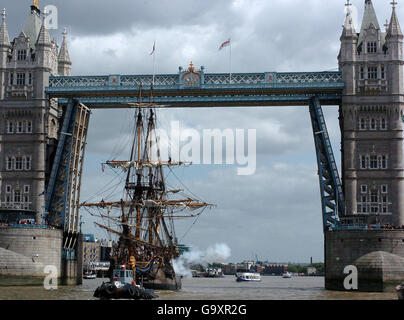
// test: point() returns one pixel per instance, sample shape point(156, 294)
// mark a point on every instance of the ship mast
point(146, 199)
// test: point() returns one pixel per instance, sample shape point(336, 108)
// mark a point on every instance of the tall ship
point(143, 220)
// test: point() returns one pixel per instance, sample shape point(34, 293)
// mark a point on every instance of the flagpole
point(154, 66)
point(230, 61)
point(154, 62)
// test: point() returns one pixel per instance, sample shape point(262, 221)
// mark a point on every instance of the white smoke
point(217, 253)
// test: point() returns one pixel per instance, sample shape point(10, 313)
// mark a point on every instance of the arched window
point(383, 124)
point(372, 47)
point(373, 124)
point(362, 123)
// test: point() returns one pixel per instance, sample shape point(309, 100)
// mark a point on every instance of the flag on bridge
point(224, 44)
point(154, 48)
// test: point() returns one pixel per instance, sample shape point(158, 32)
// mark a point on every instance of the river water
point(270, 288)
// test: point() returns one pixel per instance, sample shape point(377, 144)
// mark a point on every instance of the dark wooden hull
point(162, 282)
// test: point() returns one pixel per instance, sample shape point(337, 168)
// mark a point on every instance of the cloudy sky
point(275, 213)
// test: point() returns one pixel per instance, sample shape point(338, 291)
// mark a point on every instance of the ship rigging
point(144, 217)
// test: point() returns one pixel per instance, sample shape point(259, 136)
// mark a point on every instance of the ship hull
point(161, 282)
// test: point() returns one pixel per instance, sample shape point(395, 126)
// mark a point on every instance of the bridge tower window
point(17, 196)
point(363, 162)
point(383, 124)
point(21, 55)
point(373, 162)
point(362, 124)
point(20, 127)
point(372, 73)
point(20, 78)
point(372, 47)
point(18, 163)
point(373, 124)
point(27, 163)
point(9, 163)
point(28, 126)
point(10, 126)
point(382, 162)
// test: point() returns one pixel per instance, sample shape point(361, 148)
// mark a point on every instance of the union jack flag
point(224, 44)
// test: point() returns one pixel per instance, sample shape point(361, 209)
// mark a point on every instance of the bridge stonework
point(371, 119)
point(29, 126)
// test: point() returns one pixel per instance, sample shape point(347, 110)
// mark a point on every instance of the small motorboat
point(400, 292)
point(123, 287)
point(90, 274)
point(287, 275)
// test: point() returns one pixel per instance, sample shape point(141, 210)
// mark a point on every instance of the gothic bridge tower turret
point(371, 120)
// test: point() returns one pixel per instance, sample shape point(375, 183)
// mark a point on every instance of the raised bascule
point(46, 111)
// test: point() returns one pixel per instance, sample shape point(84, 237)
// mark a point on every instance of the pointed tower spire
point(64, 62)
point(394, 27)
point(369, 19)
point(369, 16)
point(64, 52)
point(44, 37)
point(348, 27)
point(4, 38)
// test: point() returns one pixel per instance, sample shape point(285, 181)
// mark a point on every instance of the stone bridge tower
point(29, 125)
point(372, 119)
point(29, 121)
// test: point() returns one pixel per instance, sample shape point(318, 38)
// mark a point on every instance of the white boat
point(90, 274)
point(287, 275)
point(400, 292)
point(248, 277)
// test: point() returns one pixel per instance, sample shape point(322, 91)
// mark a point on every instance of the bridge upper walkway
point(197, 89)
point(188, 88)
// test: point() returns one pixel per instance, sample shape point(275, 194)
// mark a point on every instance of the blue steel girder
point(58, 188)
point(219, 90)
point(332, 198)
point(245, 89)
point(209, 101)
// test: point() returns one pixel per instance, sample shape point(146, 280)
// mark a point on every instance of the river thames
point(270, 288)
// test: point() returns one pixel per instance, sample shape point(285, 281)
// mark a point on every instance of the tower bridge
point(194, 88)
point(53, 107)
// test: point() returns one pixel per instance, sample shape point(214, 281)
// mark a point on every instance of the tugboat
point(123, 286)
point(145, 216)
point(400, 292)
